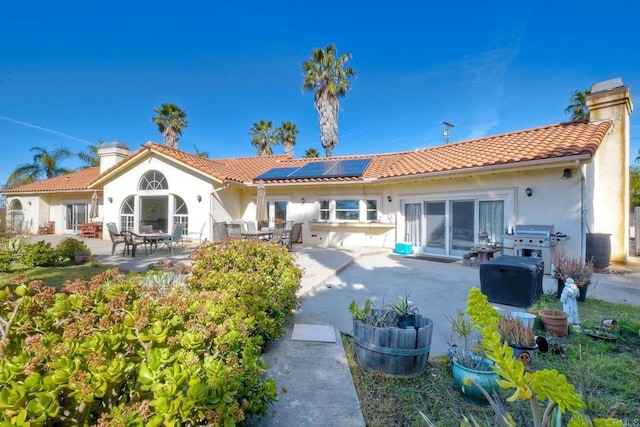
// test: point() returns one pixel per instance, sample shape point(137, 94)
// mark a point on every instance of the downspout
point(226, 184)
point(583, 212)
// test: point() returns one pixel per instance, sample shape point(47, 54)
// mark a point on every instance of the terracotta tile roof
point(75, 181)
point(543, 143)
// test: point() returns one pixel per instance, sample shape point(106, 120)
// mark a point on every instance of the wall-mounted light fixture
point(199, 197)
point(567, 173)
point(529, 191)
point(29, 202)
point(389, 199)
point(302, 200)
point(110, 199)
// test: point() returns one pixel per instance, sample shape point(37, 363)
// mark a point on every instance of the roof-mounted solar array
point(329, 169)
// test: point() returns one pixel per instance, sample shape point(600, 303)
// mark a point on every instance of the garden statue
point(569, 299)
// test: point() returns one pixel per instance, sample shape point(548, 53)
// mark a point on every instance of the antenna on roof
point(447, 130)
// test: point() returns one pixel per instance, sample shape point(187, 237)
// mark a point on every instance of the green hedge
point(113, 352)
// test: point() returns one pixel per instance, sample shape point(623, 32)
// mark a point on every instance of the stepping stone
point(320, 333)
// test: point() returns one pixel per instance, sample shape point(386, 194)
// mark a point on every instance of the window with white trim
point(372, 210)
point(325, 210)
point(181, 214)
point(352, 210)
point(347, 210)
point(127, 214)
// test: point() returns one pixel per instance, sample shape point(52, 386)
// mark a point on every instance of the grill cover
point(512, 280)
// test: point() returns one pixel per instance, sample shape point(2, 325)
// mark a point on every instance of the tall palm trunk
point(327, 107)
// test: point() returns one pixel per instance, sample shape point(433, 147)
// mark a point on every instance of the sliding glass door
point(75, 214)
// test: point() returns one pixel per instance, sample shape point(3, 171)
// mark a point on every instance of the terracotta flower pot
point(555, 322)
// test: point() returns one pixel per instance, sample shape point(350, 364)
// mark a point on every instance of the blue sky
point(73, 73)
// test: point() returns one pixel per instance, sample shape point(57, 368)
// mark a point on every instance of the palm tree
point(311, 153)
point(286, 135)
point(171, 122)
point(199, 153)
point(578, 106)
point(45, 165)
point(328, 77)
point(263, 136)
point(90, 157)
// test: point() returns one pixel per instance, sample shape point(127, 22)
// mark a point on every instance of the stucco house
point(573, 176)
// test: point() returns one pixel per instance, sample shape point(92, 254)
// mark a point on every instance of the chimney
point(611, 100)
point(111, 153)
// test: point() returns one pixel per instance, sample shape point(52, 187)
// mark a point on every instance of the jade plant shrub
point(70, 247)
point(6, 258)
point(257, 279)
point(112, 351)
point(40, 254)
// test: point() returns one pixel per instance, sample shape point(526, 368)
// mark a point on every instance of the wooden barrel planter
point(392, 350)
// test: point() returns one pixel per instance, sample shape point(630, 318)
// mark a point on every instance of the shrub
point(39, 254)
point(251, 277)
point(6, 257)
point(70, 247)
point(116, 352)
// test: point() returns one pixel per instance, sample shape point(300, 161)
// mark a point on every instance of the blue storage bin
point(404, 248)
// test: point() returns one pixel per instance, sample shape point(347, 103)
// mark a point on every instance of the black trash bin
point(512, 280)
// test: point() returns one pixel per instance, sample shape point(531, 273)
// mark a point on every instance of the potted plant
point(382, 345)
point(580, 271)
point(470, 368)
point(521, 338)
point(405, 312)
point(555, 321)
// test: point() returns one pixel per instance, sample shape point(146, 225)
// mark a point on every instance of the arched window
point(181, 214)
point(15, 216)
point(153, 180)
point(127, 216)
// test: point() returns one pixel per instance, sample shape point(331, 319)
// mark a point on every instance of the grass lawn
point(607, 374)
point(56, 276)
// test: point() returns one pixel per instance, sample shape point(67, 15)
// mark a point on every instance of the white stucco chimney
point(611, 100)
point(111, 153)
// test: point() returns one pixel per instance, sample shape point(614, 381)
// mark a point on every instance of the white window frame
point(329, 207)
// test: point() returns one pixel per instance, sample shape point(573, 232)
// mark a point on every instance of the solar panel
point(276, 173)
point(313, 170)
point(346, 168)
point(328, 169)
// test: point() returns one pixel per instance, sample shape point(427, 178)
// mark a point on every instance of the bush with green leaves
point(70, 247)
point(255, 278)
point(6, 258)
point(40, 254)
point(113, 351)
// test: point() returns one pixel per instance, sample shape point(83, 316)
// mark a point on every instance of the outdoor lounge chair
point(173, 240)
point(220, 232)
point(116, 238)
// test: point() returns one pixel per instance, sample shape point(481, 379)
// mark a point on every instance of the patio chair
point(173, 240)
point(131, 243)
point(145, 229)
point(281, 235)
point(116, 238)
point(296, 233)
point(220, 233)
point(234, 230)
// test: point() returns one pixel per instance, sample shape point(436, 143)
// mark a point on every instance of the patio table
point(257, 234)
point(153, 239)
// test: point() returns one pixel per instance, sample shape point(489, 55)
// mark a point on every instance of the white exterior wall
point(181, 181)
point(555, 201)
point(608, 174)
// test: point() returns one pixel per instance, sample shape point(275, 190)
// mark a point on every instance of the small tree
point(263, 136)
